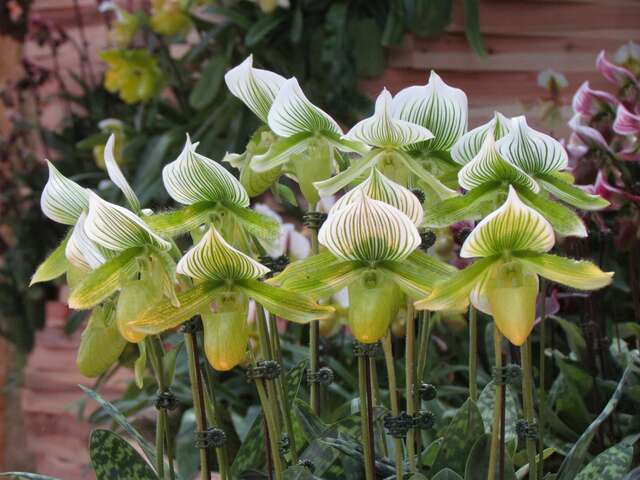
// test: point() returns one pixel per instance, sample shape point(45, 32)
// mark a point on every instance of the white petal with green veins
point(468, 145)
point(382, 130)
point(62, 200)
point(80, 250)
point(436, 106)
point(193, 178)
point(369, 230)
point(512, 227)
point(293, 113)
point(256, 88)
point(117, 177)
point(213, 258)
point(379, 187)
point(488, 165)
point(116, 228)
point(532, 151)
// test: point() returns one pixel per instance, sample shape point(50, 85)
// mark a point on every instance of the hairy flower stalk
point(387, 347)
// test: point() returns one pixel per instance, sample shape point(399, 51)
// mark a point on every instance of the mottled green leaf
point(478, 462)
point(446, 474)
point(485, 405)
point(113, 458)
point(609, 465)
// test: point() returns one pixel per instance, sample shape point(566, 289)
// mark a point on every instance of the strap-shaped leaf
point(562, 219)
point(467, 207)
point(384, 131)
point(512, 227)
point(54, 265)
point(283, 150)
point(117, 177)
point(256, 224)
point(255, 87)
point(488, 165)
point(358, 168)
point(291, 113)
point(532, 151)
point(81, 251)
point(369, 230)
point(285, 304)
point(579, 274)
point(571, 194)
point(213, 258)
point(63, 200)
point(193, 178)
point(379, 187)
point(453, 293)
point(165, 315)
point(104, 280)
point(436, 106)
point(469, 144)
point(116, 228)
point(177, 222)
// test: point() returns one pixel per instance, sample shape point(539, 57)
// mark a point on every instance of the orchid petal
point(54, 265)
point(614, 73)
point(436, 106)
point(626, 123)
point(356, 170)
point(469, 144)
point(512, 227)
point(562, 219)
point(469, 206)
point(293, 113)
point(384, 131)
point(213, 258)
point(369, 230)
point(116, 176)
point(431, 181)
point(589, 102)
point(193, 178)
point(256, 88)
point(532, 151)
point(379, 187)
point(488, 165)
point(587, 135)
point(281, 152)
point(571, 194)
point(62, 200)
point(116, 228)
point(80, 250)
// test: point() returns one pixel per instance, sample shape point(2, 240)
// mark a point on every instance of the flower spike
point(63, 200)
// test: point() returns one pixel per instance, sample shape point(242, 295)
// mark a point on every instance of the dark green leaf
point(113, 458)
point(478, 462)
point(208, 85)
point(262, 28)
point(298, 473)
point(611, 464)
point(394, 28)
point(446, 474)
point(367, 38)
point(472, 27)
point(187, 457)
point(428, 17)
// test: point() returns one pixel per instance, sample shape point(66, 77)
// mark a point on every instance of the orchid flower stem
point(423, 346)
point(191, 343)
point(267, 354)
point(527, 401)
point(387, 347)
point(473, 353)
point(211, 407)
point(380, 438)
point(314, 334)
point(155, 356)
point(497, 407)
point(364, 383)
point(542, 394)
point(410, 381)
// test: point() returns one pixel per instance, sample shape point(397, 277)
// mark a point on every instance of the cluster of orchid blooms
point(124, 262)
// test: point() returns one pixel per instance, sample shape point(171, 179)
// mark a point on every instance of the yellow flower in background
point(125, 27)
point(134, 74)
point(169, 17)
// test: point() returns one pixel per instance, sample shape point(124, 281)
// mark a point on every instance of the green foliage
point(113, 458)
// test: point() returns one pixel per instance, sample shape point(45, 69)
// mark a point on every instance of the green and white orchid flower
point(209, 193)
point(511, 244)
point(225, 279)
point(522, 158)
point(389, 138)
point(372, 250)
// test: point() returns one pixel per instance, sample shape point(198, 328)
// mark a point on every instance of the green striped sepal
point(379, 187)
point(63, 200)
point(116, 228)
point(469, 144)
point(193, 178)
point(117, 177)
point(384, 131)
point(369, 231)
point(213, 258)
point(437, 107)
point(489, 166)
point(532, 151)
point(255, 87)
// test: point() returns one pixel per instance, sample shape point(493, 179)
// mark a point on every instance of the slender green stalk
point(271, 427)
point(365, 420)
point(376, 402)
point(314, 334)
point(527, 401)
point(211, 407)
point(542, 394)
point(409, 357)
point(473, 353)
point(198, 398)
point(387, 347)
point(161, 423)
point(497, 407)
point(423, 345)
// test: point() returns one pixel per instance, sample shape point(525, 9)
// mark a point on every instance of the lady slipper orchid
point(224, 280)
point(371, 250)
point(389, 138)
point(468, 145)
point(511, 244)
